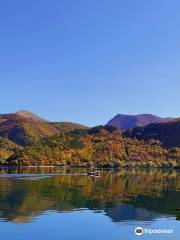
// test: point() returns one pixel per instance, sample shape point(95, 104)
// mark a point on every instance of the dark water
point(55, 204)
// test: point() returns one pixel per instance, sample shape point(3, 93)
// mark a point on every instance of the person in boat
point(94, 172)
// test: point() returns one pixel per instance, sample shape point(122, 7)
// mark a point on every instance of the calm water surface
point(55, 204)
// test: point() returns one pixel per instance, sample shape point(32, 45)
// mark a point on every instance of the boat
point(94, 173)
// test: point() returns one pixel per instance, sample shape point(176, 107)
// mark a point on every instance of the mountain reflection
point(121, 195)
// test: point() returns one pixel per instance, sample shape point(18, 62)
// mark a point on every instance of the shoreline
point(87, 167)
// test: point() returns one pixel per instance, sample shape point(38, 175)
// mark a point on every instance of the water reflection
point(127, 195)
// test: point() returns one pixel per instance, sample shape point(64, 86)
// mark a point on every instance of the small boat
point(94, 173)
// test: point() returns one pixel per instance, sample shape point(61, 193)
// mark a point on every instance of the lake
point(64, 203)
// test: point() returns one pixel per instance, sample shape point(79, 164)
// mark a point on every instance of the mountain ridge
point(125, 121)
point(28, 114)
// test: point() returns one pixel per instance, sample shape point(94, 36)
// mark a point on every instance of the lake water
point(55, 204)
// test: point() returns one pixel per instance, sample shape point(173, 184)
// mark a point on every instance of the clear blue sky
point(87, 60)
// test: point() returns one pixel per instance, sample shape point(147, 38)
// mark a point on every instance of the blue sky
point(87, 60)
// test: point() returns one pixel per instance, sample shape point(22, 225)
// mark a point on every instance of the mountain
point(130, 121)
point(24, 128)
point(29, 115)
point(167, 133)
point(26, 140)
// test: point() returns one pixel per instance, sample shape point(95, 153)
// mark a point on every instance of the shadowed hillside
point(167, 133)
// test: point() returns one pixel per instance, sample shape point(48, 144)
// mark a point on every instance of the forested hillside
point(26, 140)
point(167, 133)
point(21, 129)
point(100, 147)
